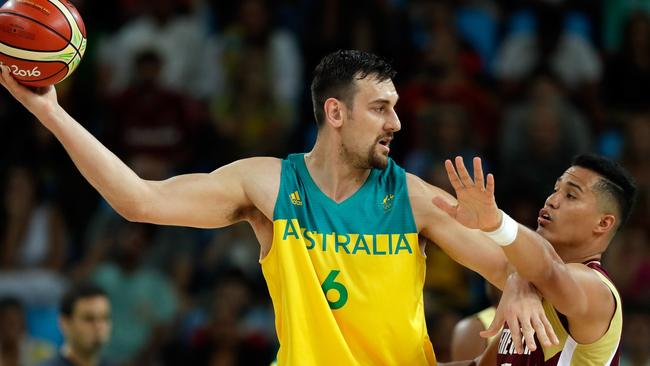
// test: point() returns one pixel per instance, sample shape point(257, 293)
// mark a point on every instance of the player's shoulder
point(421, 195)
point(419, 188)
point(260, 162)
point(258, 167)
point(597, 286)
point(587, 274)
point(415, 184)
point(260, 178)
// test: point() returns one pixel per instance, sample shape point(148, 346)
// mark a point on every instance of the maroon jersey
point(604, 351)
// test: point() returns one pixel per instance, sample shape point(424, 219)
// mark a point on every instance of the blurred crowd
point(177, 86)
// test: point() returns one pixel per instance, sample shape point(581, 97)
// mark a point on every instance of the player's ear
point(606, 224)
point(334, 112)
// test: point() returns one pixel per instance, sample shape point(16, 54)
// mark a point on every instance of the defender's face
point(371, 123)
point(88, 328)
point(571, 212)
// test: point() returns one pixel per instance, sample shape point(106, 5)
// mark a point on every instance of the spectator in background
point(179, 39)
point(230, 247)
point(85, 321)
point(636, 267)
point(257, 83)
point(229, 337)
point(153, 125)
point(369, 25)
point(627, 77)
point(447, 125)
point(34, 234)
point(445, 78)
point(548, 37)
point(636, 339)
point(142, 299)
point(636, 156)
point(538, 136)
point(33, 241)
point(615, 14)
point(17, 348)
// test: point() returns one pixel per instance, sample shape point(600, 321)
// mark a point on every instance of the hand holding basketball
point(35, 100)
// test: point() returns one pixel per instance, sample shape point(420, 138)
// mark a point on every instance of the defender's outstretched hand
point(476, 207)
point(521, 307)
point(35, 100)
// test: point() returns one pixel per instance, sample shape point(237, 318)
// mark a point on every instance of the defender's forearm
point(533, 257)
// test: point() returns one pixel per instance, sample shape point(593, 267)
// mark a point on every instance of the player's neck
point(336, 178)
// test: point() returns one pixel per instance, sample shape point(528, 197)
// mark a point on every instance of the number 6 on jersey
point(331, 284)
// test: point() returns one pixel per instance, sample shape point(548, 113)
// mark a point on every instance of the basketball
point(42, 41)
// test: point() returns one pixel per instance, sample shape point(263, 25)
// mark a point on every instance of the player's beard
point(376, 159)
point(369, 160)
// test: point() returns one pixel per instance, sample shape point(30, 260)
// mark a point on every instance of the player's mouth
point(385, 143)
point(544, 217)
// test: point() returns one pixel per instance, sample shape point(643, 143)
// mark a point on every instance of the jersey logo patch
point(387, 202)
point(295, 198)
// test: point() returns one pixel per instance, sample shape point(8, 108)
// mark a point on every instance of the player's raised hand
point(36, 100)
point(476, 207)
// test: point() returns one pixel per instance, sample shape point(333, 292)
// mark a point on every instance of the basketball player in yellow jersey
point(591, 200)
point(339, 227)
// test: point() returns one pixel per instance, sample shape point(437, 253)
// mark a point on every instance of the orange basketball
point(42, 41)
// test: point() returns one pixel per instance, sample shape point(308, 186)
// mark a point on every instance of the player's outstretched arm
point(198, 200)
point(573, 289)
point(470, 248)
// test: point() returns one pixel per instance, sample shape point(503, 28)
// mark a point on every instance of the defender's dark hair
point(335, 75)
point(615, 181)
point(77, 293)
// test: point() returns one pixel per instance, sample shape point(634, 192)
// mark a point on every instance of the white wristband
point(507, 231)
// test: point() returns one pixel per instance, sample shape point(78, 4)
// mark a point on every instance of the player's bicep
point(205, 200)
point(576, 291)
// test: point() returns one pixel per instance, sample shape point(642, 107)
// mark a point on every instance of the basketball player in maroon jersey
point(590, 202)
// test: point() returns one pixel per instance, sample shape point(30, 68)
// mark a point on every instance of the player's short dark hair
point(335, 75)
point(76, 293)
point(615, 181)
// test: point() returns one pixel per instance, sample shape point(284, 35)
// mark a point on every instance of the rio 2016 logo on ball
point(42, 41)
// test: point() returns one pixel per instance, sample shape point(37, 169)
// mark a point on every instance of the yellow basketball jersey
point(346, 278)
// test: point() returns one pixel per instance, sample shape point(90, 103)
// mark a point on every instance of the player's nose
point(552, 200)
point(393, 123)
